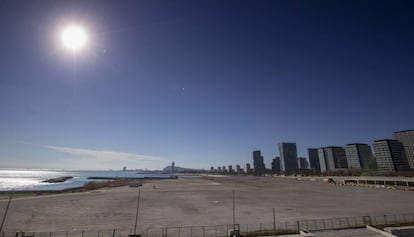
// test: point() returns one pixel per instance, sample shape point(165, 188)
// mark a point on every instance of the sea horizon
point(33, 179)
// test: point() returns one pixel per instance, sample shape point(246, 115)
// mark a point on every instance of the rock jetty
point(58, 180)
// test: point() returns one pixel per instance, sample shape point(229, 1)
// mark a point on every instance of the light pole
point(5, 212)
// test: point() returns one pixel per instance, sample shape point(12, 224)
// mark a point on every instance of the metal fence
point(244, 229)
point(72, 233)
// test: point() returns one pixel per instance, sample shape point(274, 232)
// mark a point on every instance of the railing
point(243, 229)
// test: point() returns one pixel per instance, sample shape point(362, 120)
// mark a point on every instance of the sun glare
point(74, 37)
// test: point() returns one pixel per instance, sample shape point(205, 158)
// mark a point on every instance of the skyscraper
point(390, 156)
point(358, 155)
point(276, 164)
point(323, 162)
point(303, 163)
point(332, 158)
point(288, 157)
point(258, 165)
point(314, 159)
point(407, 139)
point(231, 169)
point(247, 168)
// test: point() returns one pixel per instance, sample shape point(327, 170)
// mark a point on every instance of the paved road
point(363, 232)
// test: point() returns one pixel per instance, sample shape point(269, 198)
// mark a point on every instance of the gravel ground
point(201, 201)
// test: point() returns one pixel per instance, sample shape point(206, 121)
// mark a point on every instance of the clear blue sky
point(200, 83)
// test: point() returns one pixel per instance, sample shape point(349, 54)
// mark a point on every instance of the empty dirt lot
point(201, 201)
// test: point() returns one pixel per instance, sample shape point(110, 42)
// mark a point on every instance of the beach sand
point(201, 201)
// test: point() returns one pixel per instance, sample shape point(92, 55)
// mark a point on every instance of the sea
point(32, 180)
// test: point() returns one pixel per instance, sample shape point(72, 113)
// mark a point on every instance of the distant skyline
point(201, 83)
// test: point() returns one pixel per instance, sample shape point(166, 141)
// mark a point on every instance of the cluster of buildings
point(390, 155)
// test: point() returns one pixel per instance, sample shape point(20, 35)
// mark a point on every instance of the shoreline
point(94, 182)
point(89, 186)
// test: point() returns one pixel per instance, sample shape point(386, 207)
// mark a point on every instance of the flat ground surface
point(200, 201)
point(362, 232)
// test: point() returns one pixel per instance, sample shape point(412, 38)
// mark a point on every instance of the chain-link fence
point(269, 228)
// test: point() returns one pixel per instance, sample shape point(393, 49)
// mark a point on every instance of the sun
point(74, 37)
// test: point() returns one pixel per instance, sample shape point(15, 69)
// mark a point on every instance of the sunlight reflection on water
point(33, 179)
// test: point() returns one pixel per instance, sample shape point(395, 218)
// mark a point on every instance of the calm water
point(32, 179)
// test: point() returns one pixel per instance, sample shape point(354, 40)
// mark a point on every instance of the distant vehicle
point(135, 185)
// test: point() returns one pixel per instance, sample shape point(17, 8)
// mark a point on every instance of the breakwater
point(58, 179)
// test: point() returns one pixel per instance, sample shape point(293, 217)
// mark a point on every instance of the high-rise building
point(230, 169)
point(332, 158)
point(219, 169)
point(172, 168)
point(258, 164)
point(238, 169)
point(247, 168)
point(303, 163)
point(276, 164)
point(223, 169)
point(407, 139)
point(390, 156)
point(314, 159)
point(288, 157)
point(358, 155)
point(323, 162)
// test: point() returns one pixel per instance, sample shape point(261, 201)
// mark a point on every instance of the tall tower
point(172, 168)
point(288, 157)
point(390, 156)
point(314, 159)
point(407, 139)
point(258, 165)
point(358, 155)
point(332, 158)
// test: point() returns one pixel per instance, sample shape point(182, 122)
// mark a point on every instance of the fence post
point(260, 227)
point(179, 231)
point(204, 231)
point(99, 232)
point(215, 231)
point(113, 233)
point(191, 231)
point(50, 234)
point(347, 222)
point(298, 224)
point(82, 232)
point(67, 234)
point(385, 219)
point(404, 219)
point(247, 229)
point(324, 224)
point(166, 231)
